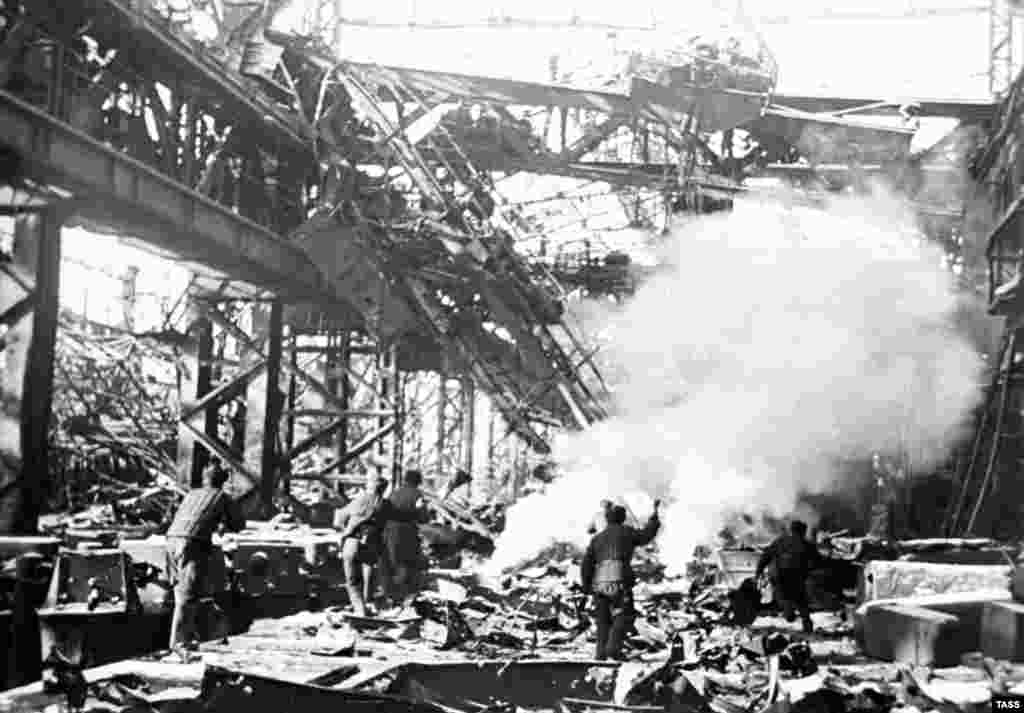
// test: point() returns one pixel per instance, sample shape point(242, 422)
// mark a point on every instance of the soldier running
point(794, 557)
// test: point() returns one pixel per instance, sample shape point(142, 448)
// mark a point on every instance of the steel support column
point(468, 393)
point(492, 443)
point(344, 412)
point(293, 359)
point(339, 364)
point(387, 401)
point(29, 290)
point(196, 383)
point(1000, 61)
point(274, 403)
point(441, 442)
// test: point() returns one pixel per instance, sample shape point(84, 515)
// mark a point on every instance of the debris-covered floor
point(525, 642)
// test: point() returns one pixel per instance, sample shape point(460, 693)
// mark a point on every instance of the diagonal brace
point(315, 438)
point(236, 333)
point(223, 452)
point(225, 392)
point(357, 450)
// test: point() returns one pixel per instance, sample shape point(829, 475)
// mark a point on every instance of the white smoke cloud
point(777, 341)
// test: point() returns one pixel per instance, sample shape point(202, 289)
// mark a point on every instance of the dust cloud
point(776, 341)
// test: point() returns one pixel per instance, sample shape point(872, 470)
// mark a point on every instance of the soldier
point(190, 546)
point(607, 574)
point(402, 559)
point(794, 557)
point(362, 526)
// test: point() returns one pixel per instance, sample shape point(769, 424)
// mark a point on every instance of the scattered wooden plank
point(606, 705)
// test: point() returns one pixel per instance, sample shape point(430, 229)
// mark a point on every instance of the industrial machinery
point(92, 595)
point(265, 564)
point(149, 562)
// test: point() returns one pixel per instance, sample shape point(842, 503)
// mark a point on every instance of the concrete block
point(970, 613)
point(895, 579)
point(969, 599)
point(913, 635)
point(986, 556)
point(967, 607)
point(1002, 631)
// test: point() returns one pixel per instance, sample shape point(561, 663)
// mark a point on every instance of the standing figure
point(794, 557)
point(402, 560)
point(362, 528)
point(607, 574)
point(190, 546)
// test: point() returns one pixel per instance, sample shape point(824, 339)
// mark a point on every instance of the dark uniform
point(794, 557)
point(189, 547)
point(402, 559)
point(607, 573)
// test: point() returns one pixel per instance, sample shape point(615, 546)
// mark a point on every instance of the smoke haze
point(774, 342)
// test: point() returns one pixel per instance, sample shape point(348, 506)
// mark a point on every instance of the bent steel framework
point(323, 202)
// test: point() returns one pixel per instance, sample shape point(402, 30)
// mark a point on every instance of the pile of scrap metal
point(416, 260)
point(459, 301)
point(126, 508)
point(732, 62)
point(768, 674)
point(524, 646)
point(831, 585)
point(114, 416)
point(283, 565)
point(938, 550)
point(543, 685)
point(430, 256)
point(524, 642)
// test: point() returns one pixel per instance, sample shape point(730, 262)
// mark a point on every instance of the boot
point(368, 598)
point(355, 597)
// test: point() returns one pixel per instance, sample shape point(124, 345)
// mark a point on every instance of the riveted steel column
point(29, 291)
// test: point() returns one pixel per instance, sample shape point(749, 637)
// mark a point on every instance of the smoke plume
point(775, 342)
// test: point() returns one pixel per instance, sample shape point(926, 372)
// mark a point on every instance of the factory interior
point(511, 357)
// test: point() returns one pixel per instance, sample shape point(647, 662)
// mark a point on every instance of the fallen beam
point(974, 112)
point(226, 690)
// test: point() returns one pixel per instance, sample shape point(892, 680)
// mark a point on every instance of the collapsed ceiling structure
point(384, 180)
point(345, 228)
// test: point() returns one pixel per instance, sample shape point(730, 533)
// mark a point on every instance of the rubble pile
point(111, 504)
point(114, 420)
point(708, 641)
point(525, 641)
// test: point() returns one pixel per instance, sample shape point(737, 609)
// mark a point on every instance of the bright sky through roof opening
point(942, 52)
point(882, 54)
